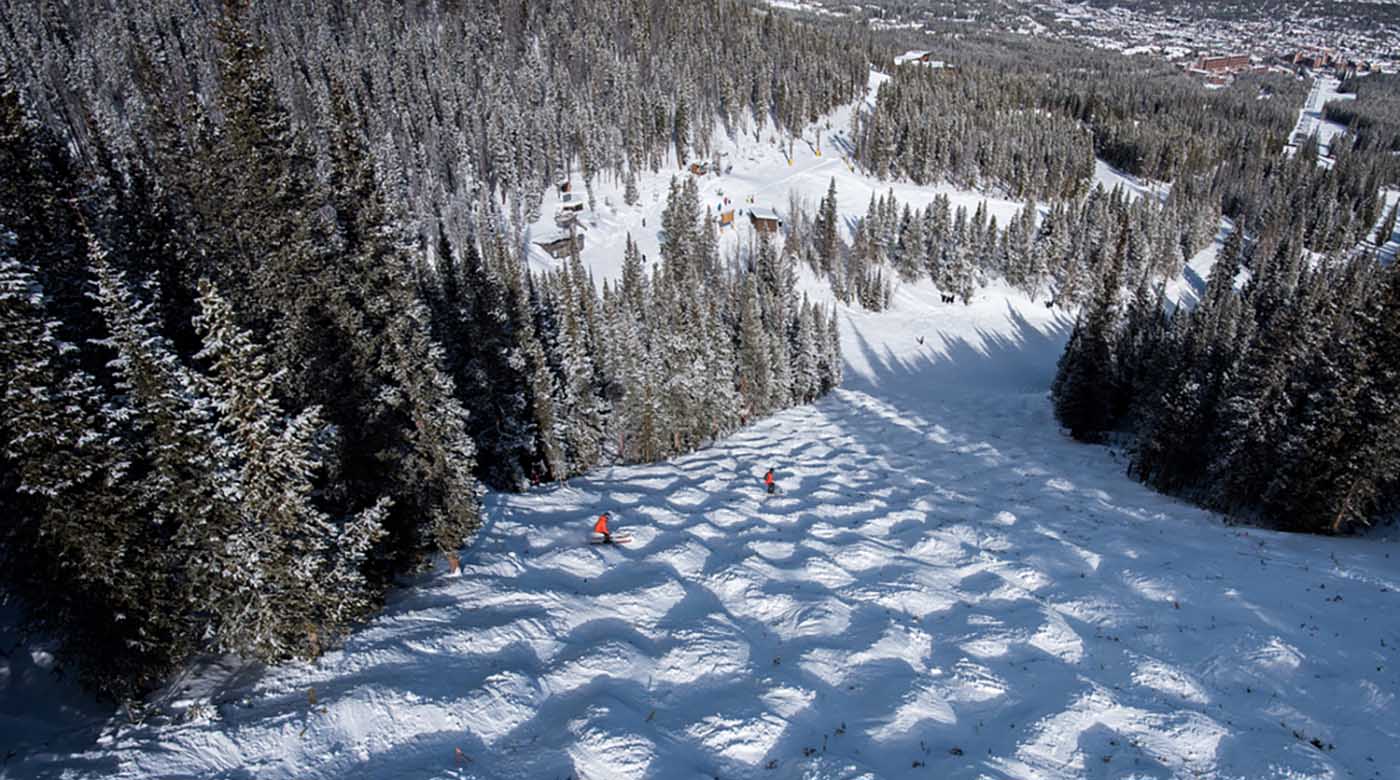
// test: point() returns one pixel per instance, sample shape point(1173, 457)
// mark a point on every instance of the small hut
point(561, 245)
point(726, 218)
point(765, 220)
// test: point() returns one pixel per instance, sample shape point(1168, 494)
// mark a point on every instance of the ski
point(615, 540)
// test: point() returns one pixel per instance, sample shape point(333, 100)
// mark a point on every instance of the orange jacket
point(601, 527)
point(768, 478)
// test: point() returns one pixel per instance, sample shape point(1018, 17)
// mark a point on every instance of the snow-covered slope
point(1311, 120)
point(758, 173)
point(946, 587)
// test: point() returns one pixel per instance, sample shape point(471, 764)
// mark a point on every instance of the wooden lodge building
point(561, 245)
point(765, 220)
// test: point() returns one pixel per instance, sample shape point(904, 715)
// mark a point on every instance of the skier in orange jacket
point(601, 535)
point(770, 482)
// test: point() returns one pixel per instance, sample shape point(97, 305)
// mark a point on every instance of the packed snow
point(1311, 121)
point(755, 174)
point(919, 57)
point(946, 586)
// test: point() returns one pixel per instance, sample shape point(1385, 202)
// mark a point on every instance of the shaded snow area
point(1312, 122)
point(945, 587)
point(1109, 177)
point(1389, 246)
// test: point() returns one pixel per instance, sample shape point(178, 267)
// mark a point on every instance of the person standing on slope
point(770, 482)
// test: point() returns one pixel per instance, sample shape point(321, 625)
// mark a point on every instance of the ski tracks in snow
point(945, 587)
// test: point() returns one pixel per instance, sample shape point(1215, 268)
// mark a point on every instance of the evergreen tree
point(1084, 384)
point(829, 242)
point(1387, 227)
point(278, 573)
point(630, 195)
point(755, 379)
point(77, 547)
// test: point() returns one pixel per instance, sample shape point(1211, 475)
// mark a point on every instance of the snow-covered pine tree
point(37, 217)
point(959, 276)
point(471, 318)
point(1255, 411)
point(630, 195)
point(910, 249)
point(79, 545)
point(776, 279)
point(1083, 389)
point(1136, 344)
point(831, 365)
point(1387, 226)
point(806, 373)
point(755, 375)
point(280, 576)
point(829, 241)
point(582, 412)
point(548, 461)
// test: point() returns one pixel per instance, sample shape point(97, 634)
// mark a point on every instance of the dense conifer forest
point(267, 324)
point(267, 331)
point(1374, 117)
point(1276, 402)
point(1272, 399)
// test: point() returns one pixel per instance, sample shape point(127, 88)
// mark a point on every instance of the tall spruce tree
point(1084, 387)
point(279, 574)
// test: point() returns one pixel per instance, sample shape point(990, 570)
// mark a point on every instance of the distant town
point(1217, 48)
point(1309, 39)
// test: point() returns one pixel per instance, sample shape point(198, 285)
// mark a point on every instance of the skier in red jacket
point(770, 482)
point(601, 535)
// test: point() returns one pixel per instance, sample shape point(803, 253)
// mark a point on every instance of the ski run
point(946, 586)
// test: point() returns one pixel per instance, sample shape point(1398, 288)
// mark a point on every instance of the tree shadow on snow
point(1023, 360)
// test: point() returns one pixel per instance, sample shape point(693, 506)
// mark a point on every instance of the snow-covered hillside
point(946, 587)
point(758, 174)
point(1311, 121)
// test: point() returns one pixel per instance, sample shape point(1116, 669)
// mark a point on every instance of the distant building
point(1318, 60)
point(1226, 64)
point(726, 218)
point(765, 220)
point(919, 58)
point(568, 212)
point(561, 245)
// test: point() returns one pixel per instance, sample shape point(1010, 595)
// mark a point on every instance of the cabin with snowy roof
point(561, 245)
point(765, 220)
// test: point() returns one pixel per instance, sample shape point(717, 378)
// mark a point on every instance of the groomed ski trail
point(947, 588)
